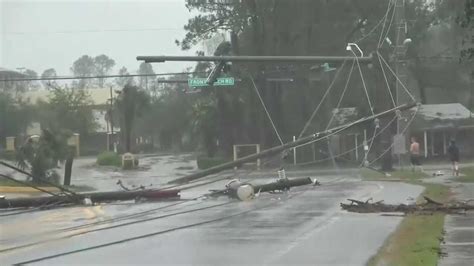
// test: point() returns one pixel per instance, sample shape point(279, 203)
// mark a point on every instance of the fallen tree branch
point(430, 206)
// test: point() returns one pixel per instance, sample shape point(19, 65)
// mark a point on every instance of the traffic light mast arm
point(248, 58)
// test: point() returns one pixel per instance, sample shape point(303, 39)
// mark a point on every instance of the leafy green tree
point(49, 73)
point(274, 28)
point(122, 81)
point(31, 73)
point(30, 84)
point(267, 27)
point(102, 66)
point(145, 69)
point(15, 115)
point(68, 109)
point(466, 21)
point(84, 66)
point(131, 103)
point(169, 115)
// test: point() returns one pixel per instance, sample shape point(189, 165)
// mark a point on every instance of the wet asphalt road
point(302, 227)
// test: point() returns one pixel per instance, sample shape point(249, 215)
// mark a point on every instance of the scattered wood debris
point(428, 207)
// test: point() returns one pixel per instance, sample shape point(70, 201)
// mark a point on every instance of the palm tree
point(131, 103)
point(41, 154)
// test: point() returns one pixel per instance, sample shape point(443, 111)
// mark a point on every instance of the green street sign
point(201, 82)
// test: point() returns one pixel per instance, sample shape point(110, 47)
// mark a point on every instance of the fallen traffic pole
point(61, 188)
point(246, 191)
point(95, 197)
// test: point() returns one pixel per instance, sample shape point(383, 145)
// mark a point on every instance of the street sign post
point(201, 82)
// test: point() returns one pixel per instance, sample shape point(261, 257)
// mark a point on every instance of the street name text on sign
point(201, 82)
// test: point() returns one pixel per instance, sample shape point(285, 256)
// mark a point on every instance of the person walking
point(415, 154)
point(453, 152)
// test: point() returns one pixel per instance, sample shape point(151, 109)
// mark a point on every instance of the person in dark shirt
point(453, 152)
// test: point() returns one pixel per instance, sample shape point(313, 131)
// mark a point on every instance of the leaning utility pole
point(287, 146)
point(399, 57)
point(400, 48)
point(395, 52)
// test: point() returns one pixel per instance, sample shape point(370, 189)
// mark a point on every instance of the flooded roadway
point(302, 227)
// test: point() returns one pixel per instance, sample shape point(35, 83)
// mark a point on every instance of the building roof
point(443, 116)
point(444, 111)
point(99, 96)
point(9, 72)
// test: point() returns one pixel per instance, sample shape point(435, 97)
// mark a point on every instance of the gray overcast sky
point(39, 34)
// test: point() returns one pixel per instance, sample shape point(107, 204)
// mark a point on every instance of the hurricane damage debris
point(428, 207)
point(246, 191)
point(318, 136)
point(89, 198)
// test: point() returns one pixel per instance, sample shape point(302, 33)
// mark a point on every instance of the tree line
point(217, 118)
point(85, 66)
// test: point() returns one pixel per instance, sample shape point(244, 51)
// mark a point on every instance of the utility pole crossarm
point(251, 58)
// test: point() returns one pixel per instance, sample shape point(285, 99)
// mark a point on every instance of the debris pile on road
point(247, 191)
point(430, 206)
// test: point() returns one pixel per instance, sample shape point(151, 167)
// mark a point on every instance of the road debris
point(95, 197)
point(247, 191)
point(428, 207)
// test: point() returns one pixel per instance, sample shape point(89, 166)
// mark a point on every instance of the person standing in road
point(453, 152)
point(415, 154)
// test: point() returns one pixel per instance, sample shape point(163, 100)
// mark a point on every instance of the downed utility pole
point(246, 191)
point(70, 197)
point(311, 138)
point(429, 207)
point(94, 197)
point(61, 188)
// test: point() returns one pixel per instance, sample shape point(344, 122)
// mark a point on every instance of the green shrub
point(208, 162)
point(109, 158)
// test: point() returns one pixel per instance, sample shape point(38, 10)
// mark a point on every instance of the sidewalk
point(458, 244)
point(459, 237)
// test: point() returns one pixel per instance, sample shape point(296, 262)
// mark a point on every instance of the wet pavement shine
point(304, 226)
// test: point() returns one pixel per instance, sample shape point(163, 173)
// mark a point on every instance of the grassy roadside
point(8, 186)
point(403, 175)
point(417, 239)
point(467, 175)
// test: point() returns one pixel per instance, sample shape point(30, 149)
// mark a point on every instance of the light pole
point(349, 48)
